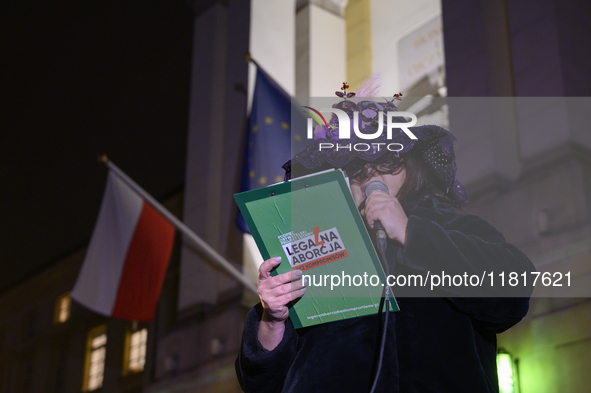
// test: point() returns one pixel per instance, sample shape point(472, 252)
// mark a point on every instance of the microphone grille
point(375, 186)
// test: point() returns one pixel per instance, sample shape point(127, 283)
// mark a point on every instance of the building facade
point(472, 60)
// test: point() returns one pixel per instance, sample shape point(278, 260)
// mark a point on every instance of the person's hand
point(385, 208)
point(275, 293)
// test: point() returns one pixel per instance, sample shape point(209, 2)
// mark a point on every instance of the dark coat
point(434, 344)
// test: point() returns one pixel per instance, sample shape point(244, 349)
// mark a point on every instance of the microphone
point(381, 237)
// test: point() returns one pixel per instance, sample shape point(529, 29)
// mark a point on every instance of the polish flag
point(127, 258)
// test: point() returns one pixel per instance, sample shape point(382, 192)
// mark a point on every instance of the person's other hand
point(385, 208)
point(277, 291)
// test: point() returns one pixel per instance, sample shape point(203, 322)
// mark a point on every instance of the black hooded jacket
point(442, 343)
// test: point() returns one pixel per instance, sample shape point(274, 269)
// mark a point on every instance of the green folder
point(313, 224)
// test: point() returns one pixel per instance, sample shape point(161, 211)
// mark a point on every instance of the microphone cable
point(381, 243)
point(386, 301)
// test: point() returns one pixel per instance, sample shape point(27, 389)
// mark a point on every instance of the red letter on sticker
point(316, 234)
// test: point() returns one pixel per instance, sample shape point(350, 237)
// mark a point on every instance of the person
point(440, 342)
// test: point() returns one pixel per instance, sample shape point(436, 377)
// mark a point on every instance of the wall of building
point(391, 21)
point(39, 355)
point(528, 165)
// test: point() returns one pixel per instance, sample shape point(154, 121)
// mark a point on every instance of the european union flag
point(270, 140)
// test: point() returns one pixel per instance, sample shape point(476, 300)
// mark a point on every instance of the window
point(62, 308)
point(96, 349)
point(136, 342)
point(507, 371)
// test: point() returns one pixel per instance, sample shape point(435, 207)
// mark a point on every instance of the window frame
point(92, 334)
point(130, 331)
point(58, 308)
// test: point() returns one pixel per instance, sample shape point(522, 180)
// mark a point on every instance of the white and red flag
point(127, 257)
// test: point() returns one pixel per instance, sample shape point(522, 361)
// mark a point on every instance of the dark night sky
point(79, 79)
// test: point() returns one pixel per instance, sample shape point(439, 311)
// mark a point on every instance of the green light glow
point(505, 371)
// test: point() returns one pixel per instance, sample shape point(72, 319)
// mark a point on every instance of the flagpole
point(185, 230)
point(249, 59)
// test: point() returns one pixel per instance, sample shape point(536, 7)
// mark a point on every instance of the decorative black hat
point(434, 146)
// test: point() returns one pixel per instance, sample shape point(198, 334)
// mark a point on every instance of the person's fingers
point(381, 207)
point(276, 291)
point(378, 197)
point(388, 210)
point(377, 201)
point(287, 277)
point(267, 266)
point(289, 289)
point(373, 198)
point(298, 285)
point(372, 204)
point(377, 213)
point(298, 291)
point(284, 278)
point(275, 301)
point(289, 292)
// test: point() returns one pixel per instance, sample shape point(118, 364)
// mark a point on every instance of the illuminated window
point(62, 308)
point(507, 373)
point(95, 358)
point(135, 351)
